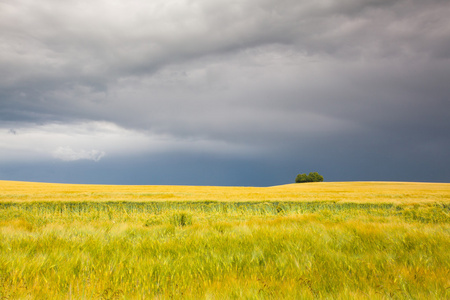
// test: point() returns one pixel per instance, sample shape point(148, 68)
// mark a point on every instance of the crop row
point(433, 213)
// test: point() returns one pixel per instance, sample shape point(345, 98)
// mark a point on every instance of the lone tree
point(311, 177)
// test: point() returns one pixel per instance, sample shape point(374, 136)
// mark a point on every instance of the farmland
point(372, 240)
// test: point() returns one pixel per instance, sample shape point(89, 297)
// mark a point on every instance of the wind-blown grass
point(301, 249)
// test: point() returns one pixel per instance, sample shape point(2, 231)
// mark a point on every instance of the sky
point(241, 93)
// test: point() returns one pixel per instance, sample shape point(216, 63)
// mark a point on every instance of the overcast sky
point(248, 92)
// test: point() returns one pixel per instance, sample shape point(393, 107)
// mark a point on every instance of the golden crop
point(361, 192)
point(342, 240)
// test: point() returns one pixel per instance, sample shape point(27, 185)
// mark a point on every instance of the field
point(344, 240)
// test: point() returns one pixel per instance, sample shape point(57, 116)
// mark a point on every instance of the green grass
point(224, 250)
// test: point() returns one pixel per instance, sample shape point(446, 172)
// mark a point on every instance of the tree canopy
point(311, 177)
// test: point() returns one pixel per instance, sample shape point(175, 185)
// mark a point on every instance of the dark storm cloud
point(319, 79)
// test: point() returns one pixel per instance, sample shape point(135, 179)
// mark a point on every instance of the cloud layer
point(335, 85)
point(68, 154)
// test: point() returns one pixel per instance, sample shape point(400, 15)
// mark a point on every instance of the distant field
point(341, 240)
point(363, 192)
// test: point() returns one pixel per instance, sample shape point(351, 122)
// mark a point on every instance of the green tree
point(301, 178)
point(311, 177)
point(315, 177)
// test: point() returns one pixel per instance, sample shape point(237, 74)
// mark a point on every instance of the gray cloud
point(285, 77)
point(68, 154)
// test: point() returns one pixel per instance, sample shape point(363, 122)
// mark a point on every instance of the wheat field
point(341, 240)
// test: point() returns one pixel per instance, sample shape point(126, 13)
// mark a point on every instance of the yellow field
point(360, 192)
point(340, 240)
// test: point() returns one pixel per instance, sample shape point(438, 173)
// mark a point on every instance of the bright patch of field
point(388, 192)
point(370, 240)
